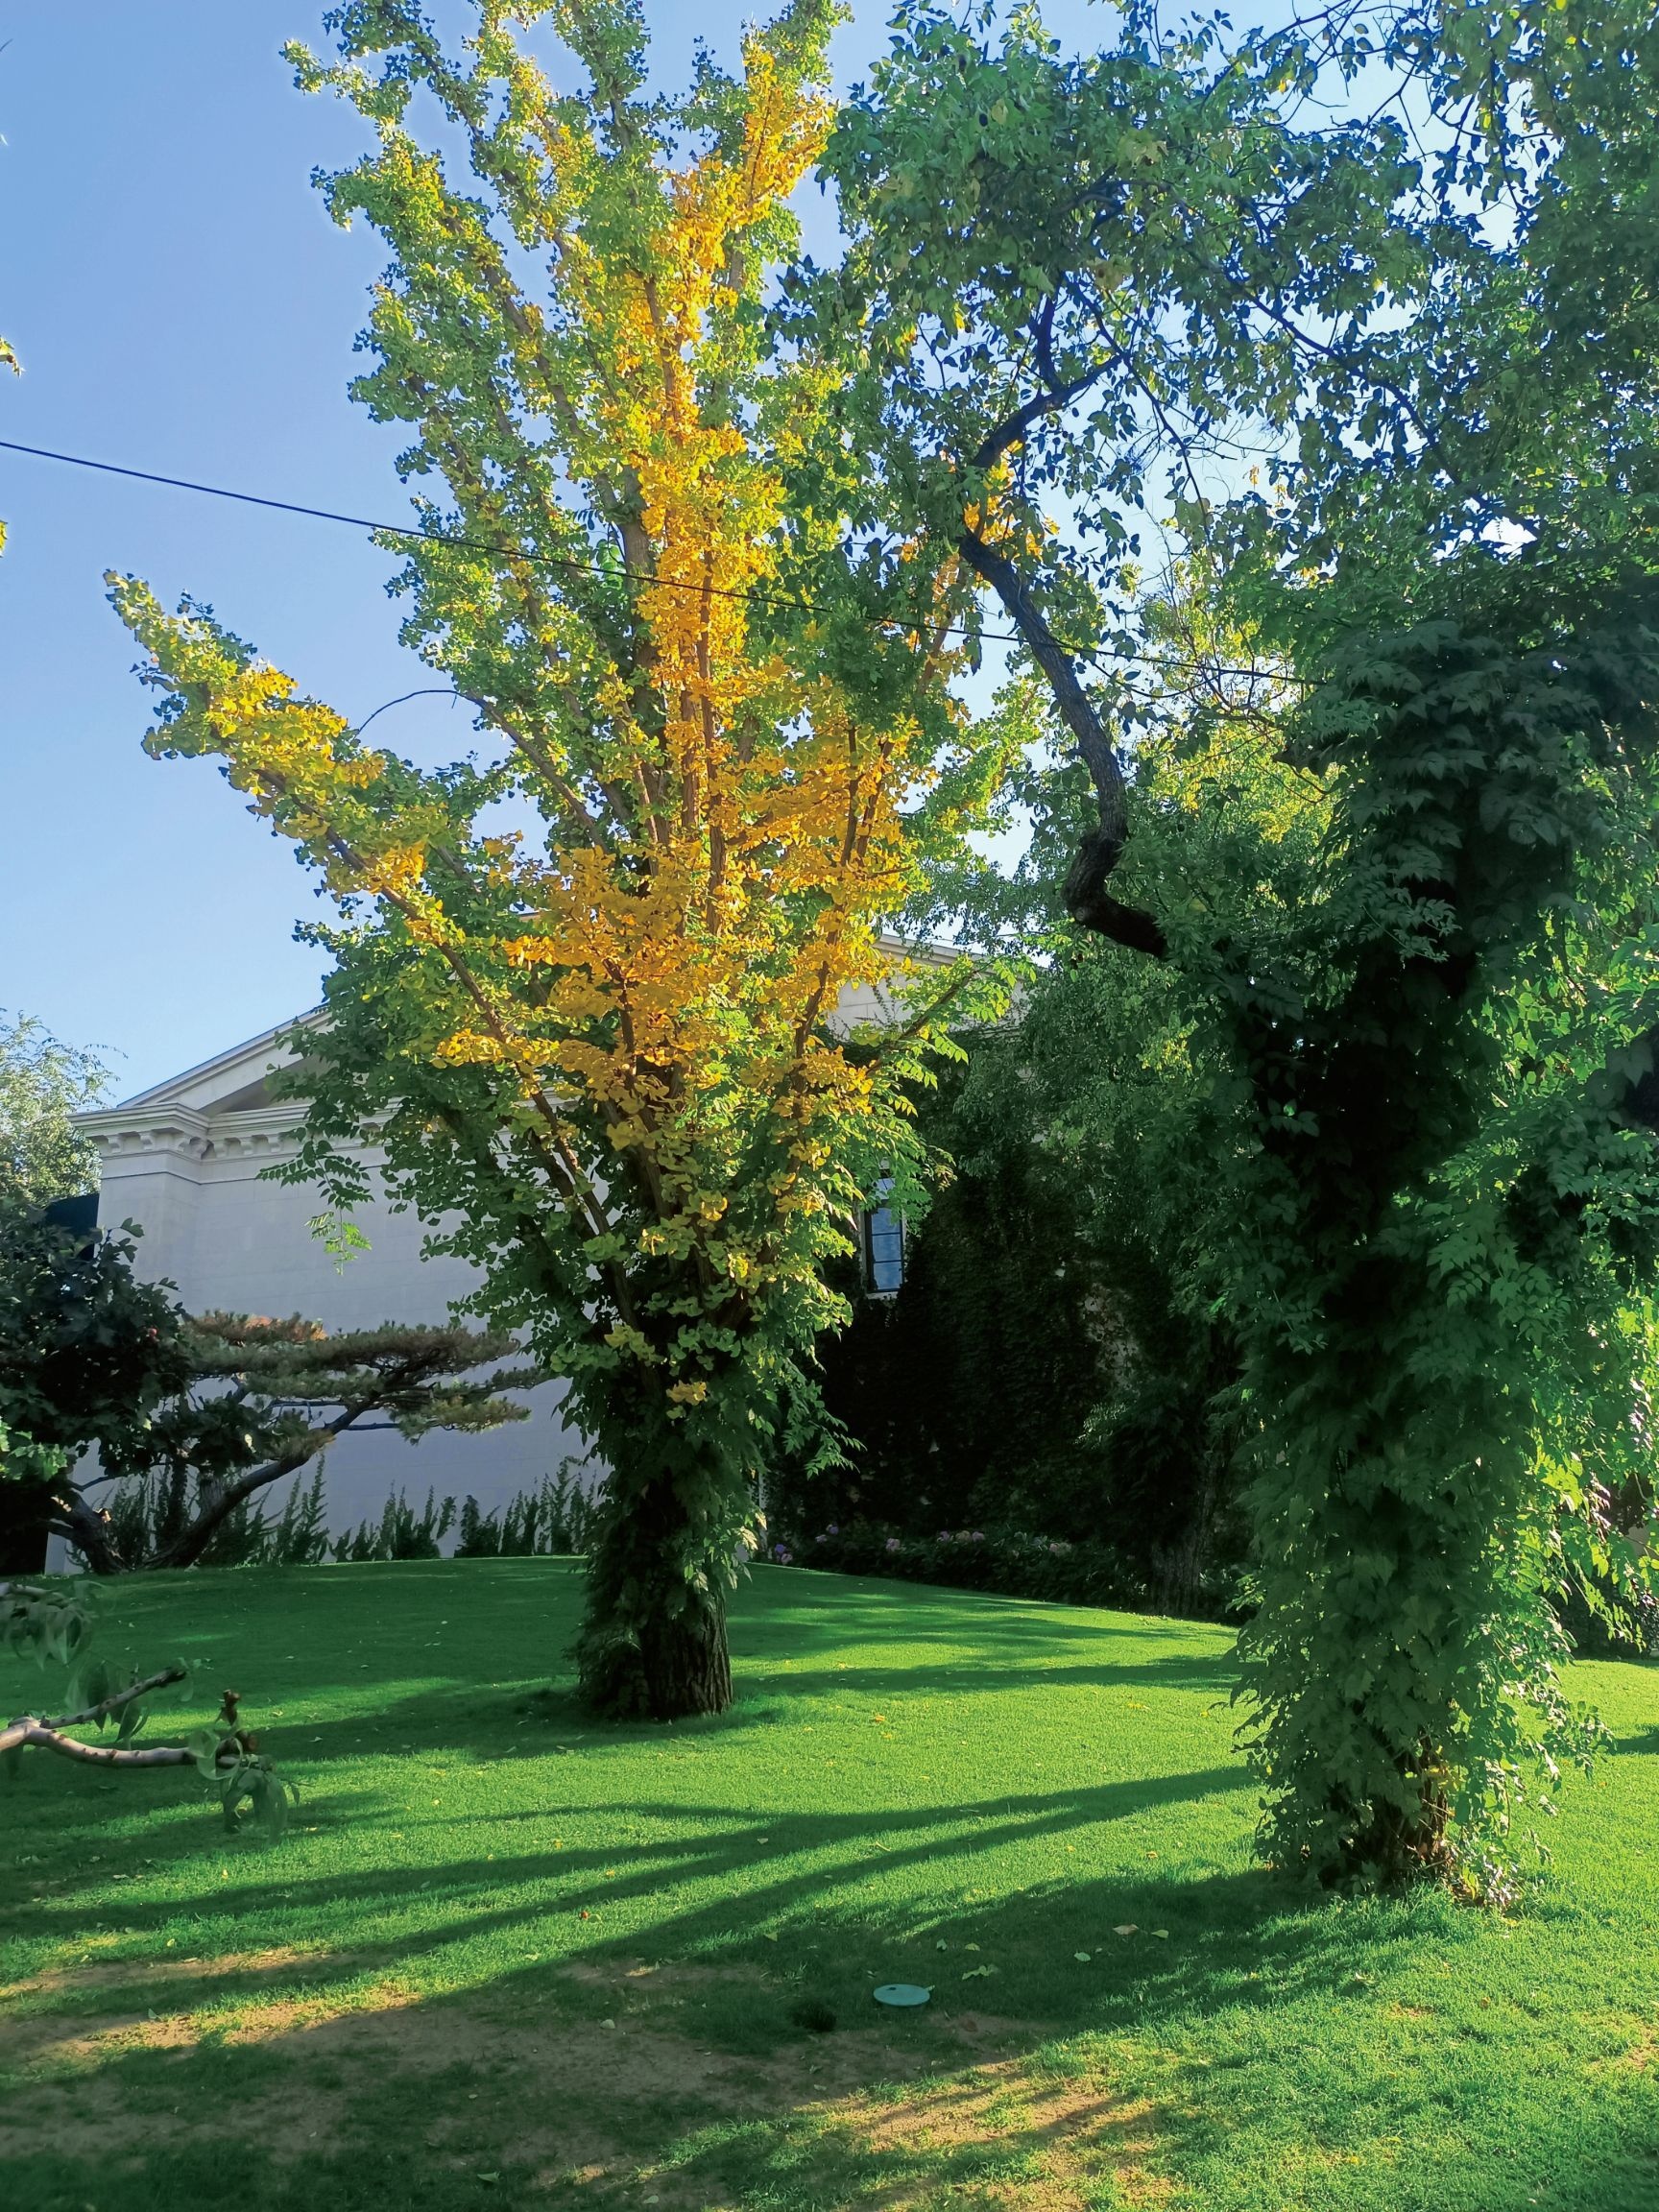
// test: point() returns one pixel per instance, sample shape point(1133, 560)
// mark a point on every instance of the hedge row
point(1009, 1562)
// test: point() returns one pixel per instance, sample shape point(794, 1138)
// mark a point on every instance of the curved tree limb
point(44, 1737)
point(1088, 901)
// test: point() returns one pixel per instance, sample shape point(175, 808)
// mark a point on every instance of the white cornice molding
point(260, 1132)
point(124, 1133)
point(131, 1140)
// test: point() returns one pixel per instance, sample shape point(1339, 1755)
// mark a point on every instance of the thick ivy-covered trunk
point(1397, 1273)
point(675, 1514)
point(1398, 1598)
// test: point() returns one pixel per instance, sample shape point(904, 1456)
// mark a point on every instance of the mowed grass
point(506, 1957)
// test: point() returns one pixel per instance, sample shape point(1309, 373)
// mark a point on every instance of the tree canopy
point(587, 988)
point(1290, 396)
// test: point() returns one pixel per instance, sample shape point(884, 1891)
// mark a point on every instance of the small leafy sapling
point(56, 1626)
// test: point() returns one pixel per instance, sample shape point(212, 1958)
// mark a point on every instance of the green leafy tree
point(1076, 290)
point(43, 1085)
point(1453, 1378)
point(86, 1352)
point(193, 1419)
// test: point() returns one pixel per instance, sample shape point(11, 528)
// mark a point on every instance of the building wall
point(185, 1162)
point(235, 1243)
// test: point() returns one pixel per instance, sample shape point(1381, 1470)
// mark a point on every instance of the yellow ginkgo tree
point(586, 983)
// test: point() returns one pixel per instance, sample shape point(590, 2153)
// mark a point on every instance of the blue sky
point(180, 304)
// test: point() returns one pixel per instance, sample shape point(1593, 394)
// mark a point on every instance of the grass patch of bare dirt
point(626, 2107)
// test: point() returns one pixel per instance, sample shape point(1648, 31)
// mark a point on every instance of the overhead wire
point(500, 549)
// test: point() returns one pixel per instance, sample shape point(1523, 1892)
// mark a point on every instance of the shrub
point(1010, 1562)
point(557, 1518)
point(401, 1533)
point(144, 1508)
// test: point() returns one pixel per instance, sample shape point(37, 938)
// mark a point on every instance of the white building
point(184, 1161)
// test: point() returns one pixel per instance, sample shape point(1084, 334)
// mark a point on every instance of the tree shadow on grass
point(1022, 2085)
point(1049, 2076)
point(765, 1868)
point(1002, 2087)
point(459, 1717)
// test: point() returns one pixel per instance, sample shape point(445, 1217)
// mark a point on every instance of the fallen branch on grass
point(29, 1728)
point(54, 1624)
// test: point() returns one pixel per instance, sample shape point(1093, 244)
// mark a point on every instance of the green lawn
point(508, 1957)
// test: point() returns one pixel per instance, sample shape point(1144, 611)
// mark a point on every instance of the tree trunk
point(1392, 1578)
point(87, 1529)
point(686, 1665)
point(653, 1645)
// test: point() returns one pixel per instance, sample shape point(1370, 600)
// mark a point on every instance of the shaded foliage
point(43, 1084)
point(86, 1353)
point(1039, 1370)
point(557, 1518)
point(1011, 1561)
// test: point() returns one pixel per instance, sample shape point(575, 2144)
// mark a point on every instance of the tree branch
point(187, 1546)
point(46, 1737)
point(1088, 901)
point(95, 1714)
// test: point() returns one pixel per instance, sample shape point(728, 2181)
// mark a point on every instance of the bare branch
point(1088, 901)
point(44, 1737)
point(96, 1714)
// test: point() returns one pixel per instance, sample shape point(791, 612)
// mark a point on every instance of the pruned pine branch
point(221, 1447)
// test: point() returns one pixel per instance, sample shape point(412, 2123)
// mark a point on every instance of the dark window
point(883, 1245)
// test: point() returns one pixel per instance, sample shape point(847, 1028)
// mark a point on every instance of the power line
point(499, 550)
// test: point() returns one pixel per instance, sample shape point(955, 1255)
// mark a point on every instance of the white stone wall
point(236, 1243)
